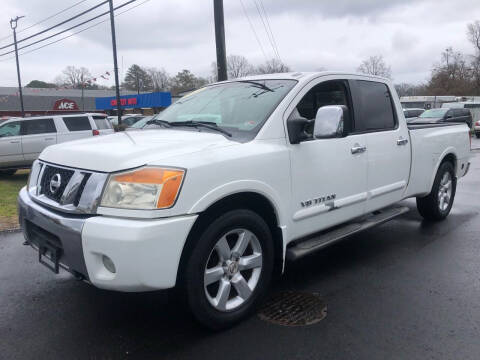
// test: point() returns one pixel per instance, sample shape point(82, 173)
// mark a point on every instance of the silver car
point(23, 139)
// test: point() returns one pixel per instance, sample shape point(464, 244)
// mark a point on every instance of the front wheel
point(230, 268)
point(437, 205)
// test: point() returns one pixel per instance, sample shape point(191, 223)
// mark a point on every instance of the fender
point(447, 151)
point(239, 186)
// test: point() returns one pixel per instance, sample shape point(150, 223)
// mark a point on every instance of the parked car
point(127, 120)
point(445, 115)
point(412, 113)
point(23, 139)
point(295, 163)
point(473, 106)
point(140, 124)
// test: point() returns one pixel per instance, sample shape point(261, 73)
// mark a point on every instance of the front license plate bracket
point(49, 255)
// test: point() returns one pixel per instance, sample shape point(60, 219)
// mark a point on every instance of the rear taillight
point(477, 123)
point(95, 132)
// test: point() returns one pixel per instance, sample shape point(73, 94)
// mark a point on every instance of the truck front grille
point(54, 181)
point(67, 189)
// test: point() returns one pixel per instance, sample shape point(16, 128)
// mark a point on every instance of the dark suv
point(445, 115)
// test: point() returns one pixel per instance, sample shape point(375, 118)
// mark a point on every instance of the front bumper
point(146, 253)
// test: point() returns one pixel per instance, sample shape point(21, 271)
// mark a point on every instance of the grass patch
point(9, 188)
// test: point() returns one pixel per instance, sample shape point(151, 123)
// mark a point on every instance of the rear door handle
point(15, 142)
point(357, 149)
point(402, 141)
point(48, 139)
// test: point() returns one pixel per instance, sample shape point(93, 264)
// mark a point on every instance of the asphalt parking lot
point(404, 290)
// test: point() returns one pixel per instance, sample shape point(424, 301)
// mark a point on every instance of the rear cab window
point(101, 122)
point(373, 106)
point(77, 123)
point(38, 126)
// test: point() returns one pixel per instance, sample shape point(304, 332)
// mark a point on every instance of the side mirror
point(329, 121)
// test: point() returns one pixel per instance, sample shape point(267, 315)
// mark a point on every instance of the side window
point(101, 122)
point(10, 129)
point(77, 123)
point(375, 107)
point(333, 92)
point(39, 126)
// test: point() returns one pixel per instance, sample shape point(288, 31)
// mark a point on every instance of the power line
point(75, 33)
point(47, 18)
point(57, 25)
point(68, 29)
point(266, 30)
point(271, 32)
point(253, 30)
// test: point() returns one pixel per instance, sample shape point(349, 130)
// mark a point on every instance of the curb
point(10, 231)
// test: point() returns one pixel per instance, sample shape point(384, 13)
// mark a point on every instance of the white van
point(23, 139)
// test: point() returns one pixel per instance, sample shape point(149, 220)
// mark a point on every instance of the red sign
point(65, 105)
point(123, 102)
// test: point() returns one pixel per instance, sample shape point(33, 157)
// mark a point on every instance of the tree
point(452, 76)
point(237, 66)
point(473, 34)
point(405, 89)
point(39, 84)
point(75, 77)
point(185, 81)
point(375, 65)
point(272, 66)
point(160, 78)
point(137, 79)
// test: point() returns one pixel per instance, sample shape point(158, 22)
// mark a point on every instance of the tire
point(432, 207)
point(209, 274)
point(477, 135)
point(9, 172)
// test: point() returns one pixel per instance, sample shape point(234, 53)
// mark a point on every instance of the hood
point(131, 149)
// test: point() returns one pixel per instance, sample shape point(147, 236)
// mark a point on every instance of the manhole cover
point(292, 308)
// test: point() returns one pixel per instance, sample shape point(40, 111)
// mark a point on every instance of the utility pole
point(13, 25)
point(220, 40)
point(115, 63)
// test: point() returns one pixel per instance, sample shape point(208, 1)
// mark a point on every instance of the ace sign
point(65, 105)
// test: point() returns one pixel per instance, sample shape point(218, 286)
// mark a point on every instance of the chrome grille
point(75, 191)
point(48, 175)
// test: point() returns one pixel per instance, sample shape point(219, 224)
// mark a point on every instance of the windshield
point(240, 107)
point(434, 113)
point(141, 123)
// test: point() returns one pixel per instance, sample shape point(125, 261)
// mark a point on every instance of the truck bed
point(430, 143)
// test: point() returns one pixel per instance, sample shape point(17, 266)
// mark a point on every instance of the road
point(404, 290)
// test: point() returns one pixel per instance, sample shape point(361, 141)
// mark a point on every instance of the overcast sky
point(310, 34)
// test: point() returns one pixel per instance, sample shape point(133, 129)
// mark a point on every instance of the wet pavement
point(404, 290)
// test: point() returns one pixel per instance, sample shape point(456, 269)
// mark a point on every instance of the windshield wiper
point(159, 122)
point(206, 124)
point(257, 84)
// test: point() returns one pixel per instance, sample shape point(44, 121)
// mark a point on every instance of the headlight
point(145, 188)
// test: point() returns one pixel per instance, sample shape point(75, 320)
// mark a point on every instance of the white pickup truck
point(235, 179)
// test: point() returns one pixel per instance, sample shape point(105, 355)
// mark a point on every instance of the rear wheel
point(477, 135)
point(437, 204)
point(9, 172)
point(230, 268)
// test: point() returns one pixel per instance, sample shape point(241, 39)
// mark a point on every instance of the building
point(146, 103)
point(432, 102)
point(48, 101)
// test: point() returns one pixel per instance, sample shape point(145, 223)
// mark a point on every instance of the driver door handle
point(357, 149)
point(402, 141)
point(15, 142)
